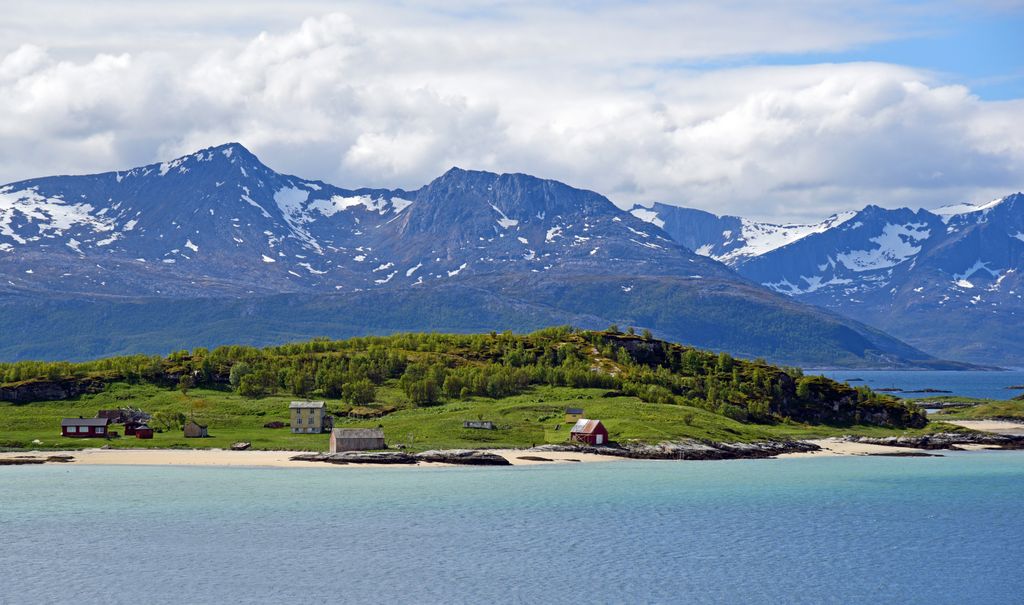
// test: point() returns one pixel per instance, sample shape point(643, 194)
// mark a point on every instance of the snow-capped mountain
point(905, 271)
point(220, 221)
point(729, 239)
point(222, 244)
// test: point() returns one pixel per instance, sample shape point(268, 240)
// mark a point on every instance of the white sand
point(281, 459)
point(835, 446)
point(991, 426)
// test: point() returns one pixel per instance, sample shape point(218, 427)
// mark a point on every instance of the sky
point(785, 111)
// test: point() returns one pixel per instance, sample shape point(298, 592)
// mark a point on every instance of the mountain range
point(947, 280)
point(215, 247)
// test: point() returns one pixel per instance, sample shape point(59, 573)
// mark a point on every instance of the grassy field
point(534, 417)
point(982, 409)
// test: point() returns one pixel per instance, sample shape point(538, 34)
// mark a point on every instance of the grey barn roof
point(85, 421)
point(573, 410)
point(585, 426)
point(359, 433)
point(306, 404)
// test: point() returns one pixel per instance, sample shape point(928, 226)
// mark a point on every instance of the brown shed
point(348, 440)
point(194, 429)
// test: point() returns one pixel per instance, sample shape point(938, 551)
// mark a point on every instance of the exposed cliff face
point(49, 390)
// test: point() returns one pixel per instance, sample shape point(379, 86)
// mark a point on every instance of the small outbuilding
point(84, 427)
point(194, 429)
point(142, 431)
point(486, 425)
point(350, 440)
point(573, 414)
point(591, 432)
point(308, 416)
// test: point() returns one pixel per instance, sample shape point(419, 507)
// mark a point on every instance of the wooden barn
point(141, 431)
point(591, 432)
point(194, 429)
point(573, 414)
point(350, 440)
point(84, 427)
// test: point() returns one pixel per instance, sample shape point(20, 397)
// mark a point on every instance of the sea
point(802, 530)
point(986, 385)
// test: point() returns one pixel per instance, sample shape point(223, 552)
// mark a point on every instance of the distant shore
point(834, 446)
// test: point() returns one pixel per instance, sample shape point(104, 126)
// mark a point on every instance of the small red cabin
point(142, 432)
point(591, 432)
point(84, 427)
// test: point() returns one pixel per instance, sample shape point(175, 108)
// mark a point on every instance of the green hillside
point(421, 387)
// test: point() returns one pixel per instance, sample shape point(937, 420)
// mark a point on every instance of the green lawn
point(531, 418)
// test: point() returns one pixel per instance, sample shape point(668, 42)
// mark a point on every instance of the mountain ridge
point(218, 224)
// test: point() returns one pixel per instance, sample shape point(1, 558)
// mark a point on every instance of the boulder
point(468, 457)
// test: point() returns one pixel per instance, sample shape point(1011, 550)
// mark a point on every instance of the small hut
point(141, 431)
point(486, 425)
point(194, 429)
point(573, 414)
point(591, 432)
point(349, 440)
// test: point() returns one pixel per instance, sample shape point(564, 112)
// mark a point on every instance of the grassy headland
point(421, 387)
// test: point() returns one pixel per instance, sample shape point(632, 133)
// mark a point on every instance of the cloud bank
point(649, 102)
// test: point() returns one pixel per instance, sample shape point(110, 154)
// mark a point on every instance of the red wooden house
point(84, 427)
point(587, 431)
point(142, 431)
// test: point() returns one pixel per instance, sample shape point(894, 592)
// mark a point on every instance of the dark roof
point(202, 426)
point(573, 410)
point(85, 421)
point(358, 433)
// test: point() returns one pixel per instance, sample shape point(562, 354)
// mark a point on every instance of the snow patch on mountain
point(648, 216)
point(51, 216)
point(896, 244)
point(954, 210)
point(760, 238)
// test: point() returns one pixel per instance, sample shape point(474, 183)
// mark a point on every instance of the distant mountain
point(215, 247)
point(948, 281)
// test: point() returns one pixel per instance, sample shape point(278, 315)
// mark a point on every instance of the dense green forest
point(434, 368)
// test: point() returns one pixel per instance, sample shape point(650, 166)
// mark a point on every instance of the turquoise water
point(989, 385)
point(825, 530)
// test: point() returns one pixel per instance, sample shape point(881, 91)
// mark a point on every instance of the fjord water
point(821, 530)
point(986, 385)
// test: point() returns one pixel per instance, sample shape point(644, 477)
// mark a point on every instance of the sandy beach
point(835, 446)
point(992, 426)
point(276, 459)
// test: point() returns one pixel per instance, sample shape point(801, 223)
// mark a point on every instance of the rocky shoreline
point(688, 450)
point(947, 441)
point(461, 457)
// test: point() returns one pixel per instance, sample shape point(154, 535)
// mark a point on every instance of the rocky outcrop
point(688, 450)
point(20, 460)
point(468, 457)
point(947, 441)
point(463, 457)
point(49, 390)
point(358, 458)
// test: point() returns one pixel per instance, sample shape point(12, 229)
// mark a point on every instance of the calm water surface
point(988, 385)
point(827, 530)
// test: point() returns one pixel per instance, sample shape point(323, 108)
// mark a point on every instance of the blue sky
point(780, 110)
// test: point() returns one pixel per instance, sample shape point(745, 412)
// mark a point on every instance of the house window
point(99, 430)
point(72, 429)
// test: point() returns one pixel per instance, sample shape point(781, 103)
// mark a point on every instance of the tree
point(647, 335)
point(238, 370)
point(185, 383)
point(359, 392)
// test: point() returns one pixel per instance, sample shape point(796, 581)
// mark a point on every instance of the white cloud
point(614, 98)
